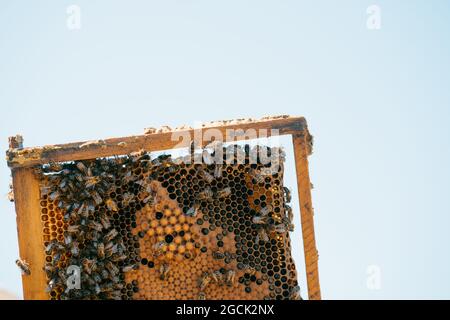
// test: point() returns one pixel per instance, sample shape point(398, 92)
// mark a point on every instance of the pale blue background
point(377, 103)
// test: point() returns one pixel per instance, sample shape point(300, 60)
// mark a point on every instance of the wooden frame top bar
point(162, 139)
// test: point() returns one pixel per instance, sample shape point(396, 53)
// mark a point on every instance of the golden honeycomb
point(147, 227)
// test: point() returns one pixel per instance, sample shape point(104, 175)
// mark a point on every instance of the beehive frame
point(27, 193)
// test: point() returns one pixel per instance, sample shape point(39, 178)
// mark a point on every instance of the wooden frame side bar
point(29, 230)
point(301, 151)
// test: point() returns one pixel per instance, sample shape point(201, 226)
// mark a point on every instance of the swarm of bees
point(266, 220)
point(94, 195)
point(82, 192)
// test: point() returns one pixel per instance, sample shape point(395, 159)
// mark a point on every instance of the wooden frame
point(26, 187)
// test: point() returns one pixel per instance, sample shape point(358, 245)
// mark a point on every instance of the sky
point(376, 97)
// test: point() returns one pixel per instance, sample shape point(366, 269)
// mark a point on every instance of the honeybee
point(289, 225)
point(92, 181)
point(121, 246)
point(290, 213)
point(89, 265)
point(164, 271)
point(136, 156)
point(54, 166)
point(279, 228)
point(127, 198)
point(107, 176)
point(129, 177)
point(96, 277)
point(287, 194)
point(260, 219)
point(207, 158)
point(217, 276)
point(104, 220)
point(93, 235)
point(216, 145)
point(101, 250)
point(23, 266)
point(218, 170)
point(129, 268)
point(149, 199)
point(62, 276)
point(95, 225)
point(104, 274)
point(118, 257)
point(192, 149)
point(45, 190)
point(204, 280)
point(79, 177)
point(206, 194)
point(112, 268)
point(149, 130)
point(249, 270)
point(209, 178)
point(230, 277)
point(90, 207)
point(49, 270)
point(61, 204)
point(62, 185)
point(82, 167)
point(224, 193)
point(73, 228)
point(110, 235)
point(201, 296)
point(192, 211)
point(262, 235)
point(146, 195)
point(81, 211)
point(257, 176)
point(97, 289)
point(111, 204)
point(56, 257)
point(295, 293)
point(51, 285)
point(67, 238)
point(110, 249)
point(52, 246)
point(218, 255)
point(263, 217)
point(54, 195)
point(266, 210)
point(158, 248)
point(113, 295)
point(161, 159)
point(172, 168)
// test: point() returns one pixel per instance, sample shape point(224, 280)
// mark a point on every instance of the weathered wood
point(302, 149)
point(29, 229)
point(15, 142)
point(151, 142)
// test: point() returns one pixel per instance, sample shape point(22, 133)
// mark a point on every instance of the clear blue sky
point(377, 102)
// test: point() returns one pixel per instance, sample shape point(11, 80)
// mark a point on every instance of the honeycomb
point(141, 226)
